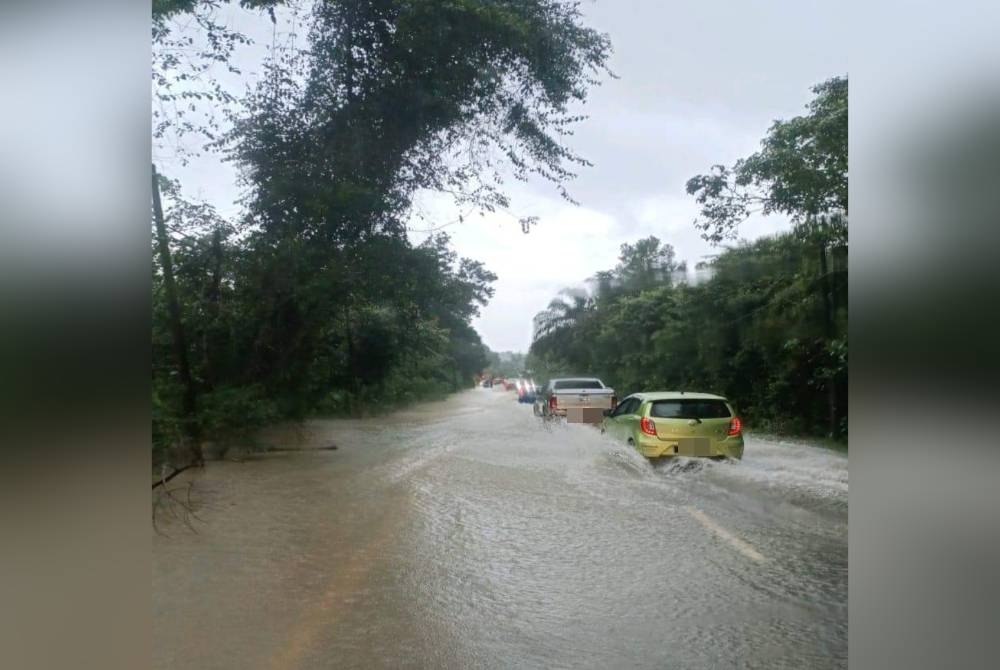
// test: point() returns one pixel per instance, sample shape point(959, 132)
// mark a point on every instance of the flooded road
point(468, 534)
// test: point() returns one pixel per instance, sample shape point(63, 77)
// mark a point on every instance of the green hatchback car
point(666, 424)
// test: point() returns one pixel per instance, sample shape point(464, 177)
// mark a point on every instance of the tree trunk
point(210, 348)
point(189, 417)
point(828, 318)
point(353, 369)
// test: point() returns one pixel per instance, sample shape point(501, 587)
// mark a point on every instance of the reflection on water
point(468, 533)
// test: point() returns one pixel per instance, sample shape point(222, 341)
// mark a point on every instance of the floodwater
point(470, 534)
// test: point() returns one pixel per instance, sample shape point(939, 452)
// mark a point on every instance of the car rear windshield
point(689, 409)
point(578, 384)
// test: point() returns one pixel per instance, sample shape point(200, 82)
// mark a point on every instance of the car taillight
point(614, 401)
point(647, 426)
point(735, 426)
point(552, 402)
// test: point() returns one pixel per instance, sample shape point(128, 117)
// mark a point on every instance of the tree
point(754, 332)
point(645, 264)
point(178, 340)
point(800, 171)
point(564, 311)
point(392, 97)
point(314, 299)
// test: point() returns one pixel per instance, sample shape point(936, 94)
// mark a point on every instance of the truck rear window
point(577, 384)
point(689, 409)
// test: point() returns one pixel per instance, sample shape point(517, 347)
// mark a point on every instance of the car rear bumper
point(731, 447)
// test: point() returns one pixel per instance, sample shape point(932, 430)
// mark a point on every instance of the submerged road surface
point(469, 534)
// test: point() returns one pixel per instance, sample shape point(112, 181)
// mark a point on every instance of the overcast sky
point(699, 84)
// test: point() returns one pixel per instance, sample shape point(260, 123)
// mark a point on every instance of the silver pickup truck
point(566, 394)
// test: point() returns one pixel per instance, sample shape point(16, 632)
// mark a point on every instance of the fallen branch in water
point(164, 479)
point(327, 448)
point(167, 499)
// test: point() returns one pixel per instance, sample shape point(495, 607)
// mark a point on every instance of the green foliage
point(801, 171)
point(224, 409)
point(372, 326)
point(393, 97)
point(315, 300)
point(753, 332)
point(368, 353)
point(646, 263)
point(164, 9)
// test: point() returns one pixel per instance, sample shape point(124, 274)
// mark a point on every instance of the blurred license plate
point(592, 415)
point(694, 446)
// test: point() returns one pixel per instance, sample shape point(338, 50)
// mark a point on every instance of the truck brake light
point(552, 402)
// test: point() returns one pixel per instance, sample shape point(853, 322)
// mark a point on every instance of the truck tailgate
point(584, 398)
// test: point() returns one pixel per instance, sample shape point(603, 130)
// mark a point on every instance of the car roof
point(675, 395)
point(580, 378)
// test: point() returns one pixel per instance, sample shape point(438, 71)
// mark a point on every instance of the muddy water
point(468, 534)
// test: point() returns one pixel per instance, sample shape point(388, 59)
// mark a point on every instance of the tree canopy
point(800, 171)
point(753, 332)
point(393, 97)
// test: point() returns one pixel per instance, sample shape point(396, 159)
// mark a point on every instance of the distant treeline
point(275, 333)
point(754, 332)
point(505, 364)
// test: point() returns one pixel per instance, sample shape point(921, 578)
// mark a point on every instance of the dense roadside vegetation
point(765, 323)
point(313, 299)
